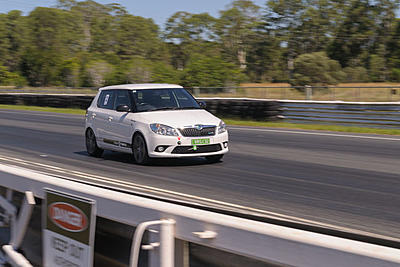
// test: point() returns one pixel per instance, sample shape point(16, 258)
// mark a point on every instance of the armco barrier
point(243, 108)
point(181, 224)
point(47, 100)
point(377, 114)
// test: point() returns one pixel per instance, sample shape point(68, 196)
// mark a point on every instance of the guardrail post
point(333, 92)
point(308, 92)
point(196, 91)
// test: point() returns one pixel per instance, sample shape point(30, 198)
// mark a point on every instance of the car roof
point(142, 86)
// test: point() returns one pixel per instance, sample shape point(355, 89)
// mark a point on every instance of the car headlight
point(221, 127)
point(163, 129)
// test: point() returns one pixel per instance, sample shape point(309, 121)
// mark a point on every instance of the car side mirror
point(202, 104)
point(123, 108)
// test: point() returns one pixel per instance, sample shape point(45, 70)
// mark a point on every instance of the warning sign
point(68, 230)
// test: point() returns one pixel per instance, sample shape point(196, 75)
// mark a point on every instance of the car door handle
point(110, 118)
point(93, 115)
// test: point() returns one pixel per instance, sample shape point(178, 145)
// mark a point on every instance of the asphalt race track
point(347, 181)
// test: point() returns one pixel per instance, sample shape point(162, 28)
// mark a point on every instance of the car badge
point(199, 127)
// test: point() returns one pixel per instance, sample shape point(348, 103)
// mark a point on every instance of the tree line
point(87, 44)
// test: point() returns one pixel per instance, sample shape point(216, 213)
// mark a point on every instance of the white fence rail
point(375, 114)
point(262, 241)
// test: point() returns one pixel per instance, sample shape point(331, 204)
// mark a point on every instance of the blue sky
point(158, 10)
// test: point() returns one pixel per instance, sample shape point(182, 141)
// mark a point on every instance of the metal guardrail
point(376, 114)
point(263, 241)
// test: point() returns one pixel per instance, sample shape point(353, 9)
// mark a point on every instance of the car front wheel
point(139, 150)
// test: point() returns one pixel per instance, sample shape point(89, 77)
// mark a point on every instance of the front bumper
point(185, 148)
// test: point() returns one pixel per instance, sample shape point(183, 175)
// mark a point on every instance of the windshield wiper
point(165, 108)
point(189, 108)
point(172, 108)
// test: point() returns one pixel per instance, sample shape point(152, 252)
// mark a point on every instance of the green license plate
point(204, 141)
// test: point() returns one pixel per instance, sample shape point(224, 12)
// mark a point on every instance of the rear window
point(106, 99)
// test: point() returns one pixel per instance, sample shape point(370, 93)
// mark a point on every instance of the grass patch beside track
point(238, 122)
point(45, 109)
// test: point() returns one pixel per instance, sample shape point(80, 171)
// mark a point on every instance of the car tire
point(139, 150)
point(91, 144)
point(214, 159)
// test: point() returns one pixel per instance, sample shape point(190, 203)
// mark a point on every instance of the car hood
point(178, 118)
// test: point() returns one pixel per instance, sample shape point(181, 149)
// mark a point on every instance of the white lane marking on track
point(150, 189)
point(314, 133)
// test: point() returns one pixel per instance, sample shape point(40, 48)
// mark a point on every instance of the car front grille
point(193, 132)
point(199, 149)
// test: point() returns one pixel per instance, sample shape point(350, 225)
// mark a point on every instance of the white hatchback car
point(153, 121)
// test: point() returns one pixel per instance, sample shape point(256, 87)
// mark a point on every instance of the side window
point(106, 99)
point(123, 98)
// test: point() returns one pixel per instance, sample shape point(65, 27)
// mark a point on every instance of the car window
point(106, 99)
point(123, 98)
point(157, 98)
point(163, 99)
point(184, 98)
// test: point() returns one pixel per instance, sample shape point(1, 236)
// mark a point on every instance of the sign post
point(68, 230)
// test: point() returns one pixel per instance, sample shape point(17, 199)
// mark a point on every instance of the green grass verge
point(45, 109)
point(239, 122)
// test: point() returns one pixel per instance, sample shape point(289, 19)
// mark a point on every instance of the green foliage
point(70, 70)
point(236, 28)
point(187, 34)
point(98, 71)
point(356, 74)
point(137, 36)
point(10, 78)
point(213, 71)
point(316, 69)
point(85, 43)
point(163, 73)
point(395, 75)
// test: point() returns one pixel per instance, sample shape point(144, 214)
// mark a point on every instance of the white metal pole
point(167, 243)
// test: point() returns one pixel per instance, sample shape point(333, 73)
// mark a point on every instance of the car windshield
point(163, 99)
